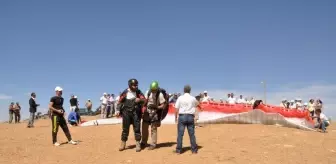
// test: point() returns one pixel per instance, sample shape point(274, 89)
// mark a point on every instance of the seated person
point(74, 118)
point(322, 120)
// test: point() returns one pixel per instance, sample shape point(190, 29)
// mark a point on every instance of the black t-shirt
point(73, 102)
point(58, 103)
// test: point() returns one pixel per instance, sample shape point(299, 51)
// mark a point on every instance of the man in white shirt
point(205, 98)
point(323, 121)
point(103, 101)
point(251, 102)
point(298, 103)
point(292, 104)
point(241, 100)
point(231, 99)
point(112, 100)
point(184, 117)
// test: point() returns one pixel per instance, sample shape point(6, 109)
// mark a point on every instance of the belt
point(186, 114)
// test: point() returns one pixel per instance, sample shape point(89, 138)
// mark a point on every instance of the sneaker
point(72, 142)
point(56, 144)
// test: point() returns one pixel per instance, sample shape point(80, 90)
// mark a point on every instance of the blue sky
point(91, 47)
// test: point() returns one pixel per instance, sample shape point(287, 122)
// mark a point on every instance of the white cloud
point(325, 92)
point(5, 97)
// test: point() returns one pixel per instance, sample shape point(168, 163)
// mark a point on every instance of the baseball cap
point(58, 88)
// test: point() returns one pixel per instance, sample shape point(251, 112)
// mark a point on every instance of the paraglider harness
point(129, 105)
point(160, 112)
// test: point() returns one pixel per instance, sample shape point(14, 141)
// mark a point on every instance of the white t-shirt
point(130, 95)
point(103, 100)
point(292, 106)
point(205, 99)
point(231, 100)
point(241, 101)
point(252, 101)
point(323, 117)
point(299, 106)
point(186, 104)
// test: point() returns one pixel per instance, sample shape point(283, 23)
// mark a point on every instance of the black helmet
point(132, 82)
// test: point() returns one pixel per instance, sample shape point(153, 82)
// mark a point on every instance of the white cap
point(205, 92)
point(58, 88)
point(75, 97)
point(292, 101)
point(305, 104)
point(105, 93)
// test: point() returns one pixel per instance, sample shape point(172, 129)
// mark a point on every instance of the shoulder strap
point(148, 94)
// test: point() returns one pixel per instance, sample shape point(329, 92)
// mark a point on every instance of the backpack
point(162, 113)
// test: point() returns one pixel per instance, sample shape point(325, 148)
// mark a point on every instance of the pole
point(264, 83)
point(265, 91)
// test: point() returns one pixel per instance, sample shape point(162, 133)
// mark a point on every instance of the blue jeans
point(186, 120)
point(322, 125)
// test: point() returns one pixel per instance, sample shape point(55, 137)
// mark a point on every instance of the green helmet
point(154, 85)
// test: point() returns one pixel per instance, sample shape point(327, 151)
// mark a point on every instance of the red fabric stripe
point(239, 108)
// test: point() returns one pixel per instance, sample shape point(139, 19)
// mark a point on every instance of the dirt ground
point(225, 143)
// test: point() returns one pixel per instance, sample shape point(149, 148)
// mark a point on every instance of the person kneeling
point(73, 118)
point(322, 120)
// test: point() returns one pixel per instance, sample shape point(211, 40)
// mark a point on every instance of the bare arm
point(52, 109)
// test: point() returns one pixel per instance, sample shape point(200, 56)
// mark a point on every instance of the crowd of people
point(155, 102)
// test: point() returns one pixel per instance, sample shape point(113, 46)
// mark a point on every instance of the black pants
point(17, 117)
point(129, 118)
point(108, 111)
point(56, 122)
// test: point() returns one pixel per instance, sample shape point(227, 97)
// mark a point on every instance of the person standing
point(73, 103)
point(17, 115)
point(108, 107)
point(88, 106)
point(57, 116)
point(151, 117)
point(11, 112)
point(129, 106)
point(103, 106)
point(112, 101)
point(185, 117)
point(32, 109)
